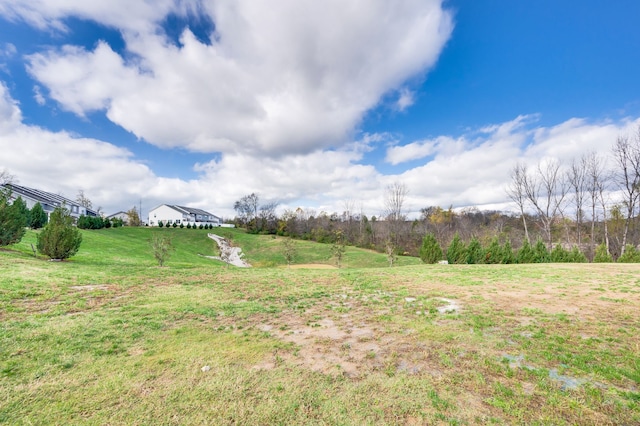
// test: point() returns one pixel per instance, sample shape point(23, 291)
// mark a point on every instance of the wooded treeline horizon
point(591, 201)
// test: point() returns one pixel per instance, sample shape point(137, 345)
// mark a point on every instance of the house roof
point(117, 214)
point(44, 197)
point(190, 210)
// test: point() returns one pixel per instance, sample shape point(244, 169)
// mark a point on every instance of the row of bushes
point(96, 222)
point(188, 226)
point(496, 253)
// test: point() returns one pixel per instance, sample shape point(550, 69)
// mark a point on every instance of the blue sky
point(312, 105)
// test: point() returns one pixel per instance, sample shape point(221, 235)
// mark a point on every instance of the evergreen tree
point(559, 254)
point(577, 256)
point(59, 239)
point(430, 252)
point(38, 216)
point(12, 220)
point(456, 252)
point(540, 252)
point(508, 257)
point(525, 254)
point(20, 204)
point(631, 255)
point(602, 256)
point(493, 253)
point(474, 252)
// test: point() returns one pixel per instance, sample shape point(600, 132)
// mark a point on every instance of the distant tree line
point(587, 209)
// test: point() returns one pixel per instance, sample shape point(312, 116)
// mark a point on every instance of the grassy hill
point(131, 246)
point(111, 338)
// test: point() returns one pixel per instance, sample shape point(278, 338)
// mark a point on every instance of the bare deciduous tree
point(289, 250)
point(83, 200)
point(577, 178)
point(546, 192)
point(247, 207)
point(596, 184)
point(390, 251)
point(6, 177)
point(339, 248)
point(516, 191)
point(626, 154)
point(268, 217)
point(395, 195)
point(133, 217)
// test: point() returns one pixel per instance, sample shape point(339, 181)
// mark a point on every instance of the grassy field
point(109, 337)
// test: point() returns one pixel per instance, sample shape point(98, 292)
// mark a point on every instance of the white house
point(123, 216)
point(47, 200)
point(169, 214)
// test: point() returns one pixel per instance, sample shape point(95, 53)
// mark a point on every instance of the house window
point(178, 221)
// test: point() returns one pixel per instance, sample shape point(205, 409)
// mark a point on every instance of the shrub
point(602, 255)
point(59, 239)
point(175, 225)
point(188, 226)
point(162, 248)
point(430, 251)
point(181, 225)
point(90, 222)
point(107, 223)
point(201, 226)
point(160, 224)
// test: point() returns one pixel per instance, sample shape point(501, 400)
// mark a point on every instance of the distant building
point(169, 214)
point(48, 201)
point(123, 216)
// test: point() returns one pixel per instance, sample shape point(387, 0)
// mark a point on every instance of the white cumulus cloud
point(292, 76)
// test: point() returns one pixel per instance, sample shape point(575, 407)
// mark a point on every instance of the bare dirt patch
point(345, 338)
point(91, 287)
point(312, 266)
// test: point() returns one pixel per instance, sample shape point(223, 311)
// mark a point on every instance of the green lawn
point(108, 337)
